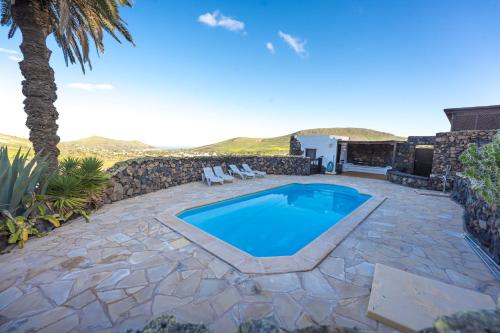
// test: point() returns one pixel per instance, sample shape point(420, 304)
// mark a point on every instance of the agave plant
point(21, 184)
point(19, 179)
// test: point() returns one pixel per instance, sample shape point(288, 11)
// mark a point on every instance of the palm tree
point(71, 22)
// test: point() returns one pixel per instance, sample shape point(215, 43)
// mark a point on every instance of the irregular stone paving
point(125, 268)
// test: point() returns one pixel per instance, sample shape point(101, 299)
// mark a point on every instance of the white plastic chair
point(237, 172)
point(247, 168)
point(220, 173)
point(209, 177)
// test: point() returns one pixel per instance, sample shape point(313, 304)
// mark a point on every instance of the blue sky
point(202, 71)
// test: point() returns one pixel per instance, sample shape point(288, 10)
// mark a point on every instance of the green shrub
point(482, 169)
point(77, 186)
point(22, 185)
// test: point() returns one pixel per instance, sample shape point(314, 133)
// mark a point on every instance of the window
point(311, 153)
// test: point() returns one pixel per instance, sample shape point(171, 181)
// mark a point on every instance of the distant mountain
point(109, 150)
point(279, 145)
point(14, 141)
point(100, 143)
point(355, 134)
point(268, 146)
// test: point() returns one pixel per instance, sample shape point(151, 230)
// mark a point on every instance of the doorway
point(423, 161)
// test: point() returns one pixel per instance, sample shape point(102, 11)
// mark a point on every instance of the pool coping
point(305, 259)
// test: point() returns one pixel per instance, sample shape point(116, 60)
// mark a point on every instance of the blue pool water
point(279, 221)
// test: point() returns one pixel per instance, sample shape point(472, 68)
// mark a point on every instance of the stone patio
point(125, 267)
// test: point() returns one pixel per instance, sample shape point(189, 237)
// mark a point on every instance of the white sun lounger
point(237, 172)
point(247, 168)
point(220, 173)
point(209, 177)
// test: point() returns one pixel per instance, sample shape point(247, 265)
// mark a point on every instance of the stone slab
point(409, 302)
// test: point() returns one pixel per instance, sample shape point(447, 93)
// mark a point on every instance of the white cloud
point(8, 51)
point(216, 19)
point(294, 42)
point(15, 58)
point(270, 47)
point(90, 86)
point(12, 54)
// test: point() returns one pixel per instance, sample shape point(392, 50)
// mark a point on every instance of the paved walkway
point(125, 268)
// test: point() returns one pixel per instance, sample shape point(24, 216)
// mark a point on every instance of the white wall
point(325, 145)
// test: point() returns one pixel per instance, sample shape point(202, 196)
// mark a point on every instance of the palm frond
point(77, 23)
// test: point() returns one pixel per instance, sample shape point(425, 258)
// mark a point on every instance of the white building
point(322, 146)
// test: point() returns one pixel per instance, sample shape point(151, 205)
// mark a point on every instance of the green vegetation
point(482, 168)
point(20, 181)
point(248, 146)
point(29, 194)
point(77, 185)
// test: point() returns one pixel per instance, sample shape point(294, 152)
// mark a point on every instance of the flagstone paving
point(124, 267)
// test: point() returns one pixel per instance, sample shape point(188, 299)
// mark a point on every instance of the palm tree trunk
point(39, 85)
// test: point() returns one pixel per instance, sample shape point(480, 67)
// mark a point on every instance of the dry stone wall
point(405, 157)
point(409, 180)
point(481, 219)
point(140, 176)
point(450, 145)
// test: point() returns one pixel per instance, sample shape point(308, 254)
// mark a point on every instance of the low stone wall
point(409, 180)
point(450, 145)
point(405, 157)
point(481, 219)
point(140, 176)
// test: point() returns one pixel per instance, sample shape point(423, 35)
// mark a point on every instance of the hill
point(355, 134)
point(268, 146)
point(14, 141)
point(109, 150)
point(100, 143)
point(279, 145)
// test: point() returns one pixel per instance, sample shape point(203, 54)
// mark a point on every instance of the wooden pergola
point(392, 143)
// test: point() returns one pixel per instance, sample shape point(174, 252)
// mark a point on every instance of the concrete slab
point(409, 302)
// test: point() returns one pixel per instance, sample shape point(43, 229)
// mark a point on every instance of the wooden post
point(394, 154)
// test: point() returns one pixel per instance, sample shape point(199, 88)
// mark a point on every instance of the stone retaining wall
point(408, 180)
point(450, 145)
point(405, 157)
point(481, 219)
point(140, 176)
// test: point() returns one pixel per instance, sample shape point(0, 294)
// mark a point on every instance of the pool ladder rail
point(486, 259)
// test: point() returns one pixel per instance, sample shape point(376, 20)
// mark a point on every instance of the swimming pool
point(279, 221)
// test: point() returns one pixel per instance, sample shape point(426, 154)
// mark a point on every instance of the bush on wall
point(482, 169)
